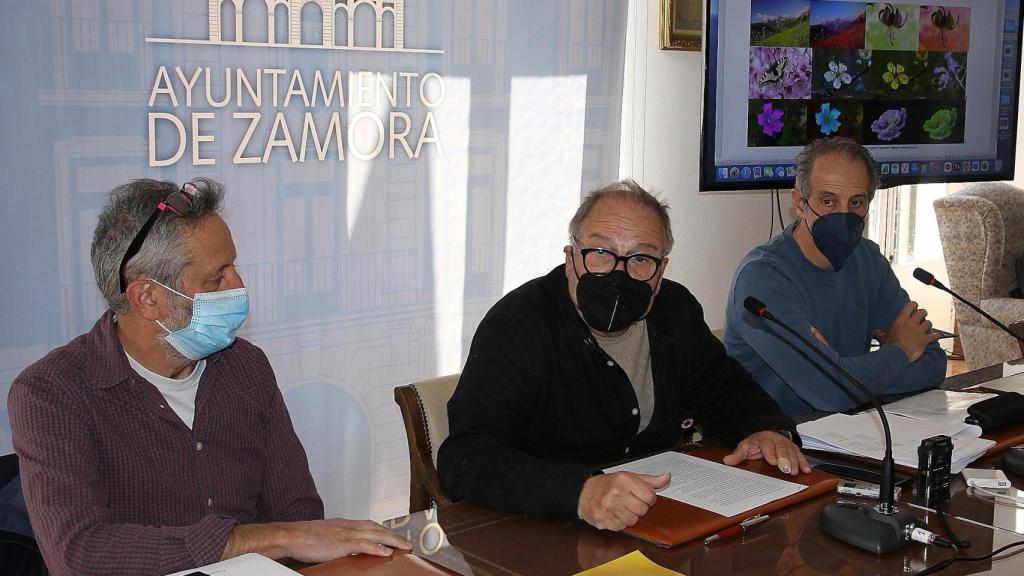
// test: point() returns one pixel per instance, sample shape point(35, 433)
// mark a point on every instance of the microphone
point(928, 278)
point(879, 529)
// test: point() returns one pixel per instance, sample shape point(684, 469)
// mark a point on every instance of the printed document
point(938, 405)
point(711, 485)
point(245, 565)
point(862, 435)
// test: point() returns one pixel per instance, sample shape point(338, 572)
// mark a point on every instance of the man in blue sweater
point(823, 279)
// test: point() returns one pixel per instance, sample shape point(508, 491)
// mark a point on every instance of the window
point(902, 221)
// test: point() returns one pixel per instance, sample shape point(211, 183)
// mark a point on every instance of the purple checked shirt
point(117, 484)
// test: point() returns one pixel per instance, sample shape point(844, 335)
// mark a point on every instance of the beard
point(180, 316)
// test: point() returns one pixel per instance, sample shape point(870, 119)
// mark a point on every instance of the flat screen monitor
point(930, 89)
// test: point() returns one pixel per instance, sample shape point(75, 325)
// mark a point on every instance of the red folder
point(670, 522)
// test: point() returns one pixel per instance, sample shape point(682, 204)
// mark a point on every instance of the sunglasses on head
point(178, 202)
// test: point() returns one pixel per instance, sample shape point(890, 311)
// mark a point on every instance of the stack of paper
point(910, 421)
point(939, 406)
point(1013, 367)
point(1010, 383)
point(245, 565)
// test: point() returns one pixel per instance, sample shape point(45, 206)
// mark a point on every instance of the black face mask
point(613, 301)
point(836, 235)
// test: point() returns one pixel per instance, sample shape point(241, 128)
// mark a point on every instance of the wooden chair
point(424, 407)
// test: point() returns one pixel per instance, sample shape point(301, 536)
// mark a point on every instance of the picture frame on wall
point(682, 24)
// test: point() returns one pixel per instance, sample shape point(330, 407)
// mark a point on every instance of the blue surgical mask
point(836, 235)
point(216, 317)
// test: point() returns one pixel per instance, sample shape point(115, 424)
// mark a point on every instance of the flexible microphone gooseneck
point(928, 278)
point(879, 529)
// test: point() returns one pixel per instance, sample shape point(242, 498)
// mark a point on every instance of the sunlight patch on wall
point(545, 171)
point(449, 169)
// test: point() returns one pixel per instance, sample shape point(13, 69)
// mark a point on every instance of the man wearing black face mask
point(822, 278)
point(599, 361)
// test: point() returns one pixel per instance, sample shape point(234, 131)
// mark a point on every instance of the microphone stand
point(881, 528)
point(928, 278)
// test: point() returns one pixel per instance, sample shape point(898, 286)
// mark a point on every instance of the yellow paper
point(632, 564)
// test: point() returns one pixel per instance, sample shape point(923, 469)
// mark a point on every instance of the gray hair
point(628, 190)
point(836, 145)
point(162, 255)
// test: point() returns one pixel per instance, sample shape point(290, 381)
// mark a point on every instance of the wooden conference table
point(792, 543)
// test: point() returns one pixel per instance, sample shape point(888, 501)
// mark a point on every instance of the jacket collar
point(106, 364)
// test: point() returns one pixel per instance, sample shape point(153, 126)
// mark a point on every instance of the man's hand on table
point(776, 450)
point(314, 541)
point(616, 501)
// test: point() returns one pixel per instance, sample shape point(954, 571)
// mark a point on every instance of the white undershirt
point(180, 394)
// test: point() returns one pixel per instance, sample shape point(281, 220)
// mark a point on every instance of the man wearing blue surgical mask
point(600, 360)
point(159, 441)
point(821, 277)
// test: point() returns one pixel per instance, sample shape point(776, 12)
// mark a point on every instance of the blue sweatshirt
point(844, 306)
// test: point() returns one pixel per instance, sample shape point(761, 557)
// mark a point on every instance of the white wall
point(1018, 176)
point(660, 150)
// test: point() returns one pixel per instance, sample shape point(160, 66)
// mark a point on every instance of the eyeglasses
point(179, 202)
point(640, 267)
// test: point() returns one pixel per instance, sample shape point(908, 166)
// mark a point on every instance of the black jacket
point(540, 407)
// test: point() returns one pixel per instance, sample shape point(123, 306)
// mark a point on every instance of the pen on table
point(737, 529)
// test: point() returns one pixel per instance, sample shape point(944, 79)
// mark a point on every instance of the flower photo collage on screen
point(877, 72)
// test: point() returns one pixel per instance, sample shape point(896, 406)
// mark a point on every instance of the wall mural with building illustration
point(392, 168)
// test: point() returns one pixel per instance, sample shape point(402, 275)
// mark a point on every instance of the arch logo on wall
point(391, 12)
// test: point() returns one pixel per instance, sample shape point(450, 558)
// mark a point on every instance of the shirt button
point(209, 501)
point(635, 411)
point(610, 363)
point(199, 446)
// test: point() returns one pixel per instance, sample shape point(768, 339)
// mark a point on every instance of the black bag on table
point(1004, 410)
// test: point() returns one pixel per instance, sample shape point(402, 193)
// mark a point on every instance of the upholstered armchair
point(982, 232)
